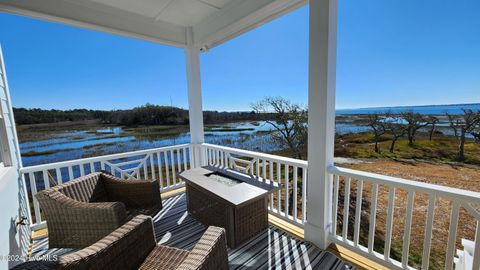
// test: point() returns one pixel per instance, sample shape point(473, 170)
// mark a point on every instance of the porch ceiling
point(164, 21)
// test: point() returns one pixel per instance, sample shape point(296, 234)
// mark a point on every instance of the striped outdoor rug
point(270, 249)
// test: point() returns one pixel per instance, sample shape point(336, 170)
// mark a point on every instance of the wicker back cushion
point(88, 188)
point(125, 248)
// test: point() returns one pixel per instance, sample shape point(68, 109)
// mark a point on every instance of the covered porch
point(319, 202)
point(355, 240)
point(275, 247)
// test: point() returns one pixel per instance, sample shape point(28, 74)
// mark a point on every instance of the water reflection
point(68, 145)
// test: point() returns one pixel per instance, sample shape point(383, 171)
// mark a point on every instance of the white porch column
point(195, 111)
point(321, 119)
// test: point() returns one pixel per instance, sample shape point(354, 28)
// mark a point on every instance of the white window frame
point(5, 157)
point(6, 114)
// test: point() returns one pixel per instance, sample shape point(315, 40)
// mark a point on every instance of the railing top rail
point(410, 185)
point(49, 166)
point(290, 161)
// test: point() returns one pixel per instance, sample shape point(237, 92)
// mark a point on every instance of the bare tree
point(375, 122)
point(433, 121)
point(414, 122)
point(476, 131)
point(462, 125)
point(476, 136)
point(290, 123)
point(395, 127)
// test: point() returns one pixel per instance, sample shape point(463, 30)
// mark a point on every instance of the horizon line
point(346, 109)
point(406, 106)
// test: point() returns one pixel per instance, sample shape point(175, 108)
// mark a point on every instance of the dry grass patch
point(458, 176)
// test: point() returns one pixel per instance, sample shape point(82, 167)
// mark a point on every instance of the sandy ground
point(458, 176)
point(344, 160)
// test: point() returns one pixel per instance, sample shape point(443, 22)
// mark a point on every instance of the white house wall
point(14, 239)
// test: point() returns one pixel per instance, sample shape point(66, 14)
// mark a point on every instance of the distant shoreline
point(422, 109)
point(247, 111)
point(164, 115)
point(409, 106)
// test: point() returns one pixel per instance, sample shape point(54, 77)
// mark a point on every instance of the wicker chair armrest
point(124, 248)
point(78, 224)
point(209, 253)
point(134, 193)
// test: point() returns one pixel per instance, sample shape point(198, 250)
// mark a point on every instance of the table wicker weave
point(241, 208)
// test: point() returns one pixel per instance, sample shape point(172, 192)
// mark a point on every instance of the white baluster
point(287, 176)
point(452, 234)
point(373, 216)
point(346, 208)
point(408, 226)
point(295, 193)
point(336, 184)
point(389, 229)
point(165, 156)
point(428, 232)
point(358, 212)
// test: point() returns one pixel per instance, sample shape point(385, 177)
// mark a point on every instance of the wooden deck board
point(271, 248)
point(354, 259)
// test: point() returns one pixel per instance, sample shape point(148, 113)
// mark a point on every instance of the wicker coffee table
point(229, 199)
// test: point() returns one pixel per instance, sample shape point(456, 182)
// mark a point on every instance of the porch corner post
point(321, 119)
point(195, 111)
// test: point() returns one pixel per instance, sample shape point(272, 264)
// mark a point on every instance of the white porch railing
point(289, 203)
point(346, 180)
point(160, 164)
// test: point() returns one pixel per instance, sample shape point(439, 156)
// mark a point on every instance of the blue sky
point(389, 53)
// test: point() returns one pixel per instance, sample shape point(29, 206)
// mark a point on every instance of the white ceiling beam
point(98, 17)
point(238, 17)
point(162, 9)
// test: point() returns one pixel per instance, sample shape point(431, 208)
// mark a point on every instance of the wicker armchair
point(132, 246)
point(84, 210)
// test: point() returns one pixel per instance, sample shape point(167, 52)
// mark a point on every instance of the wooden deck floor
point(270, 249)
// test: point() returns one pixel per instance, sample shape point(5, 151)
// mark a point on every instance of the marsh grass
point(41, 153)
point(228, 129)
point(441, 148)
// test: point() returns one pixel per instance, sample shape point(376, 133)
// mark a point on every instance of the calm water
point(77, 144)
point(435, 110)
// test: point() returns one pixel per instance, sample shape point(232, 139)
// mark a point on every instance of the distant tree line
point(144, 115)
point(407, 124)
point(38, 116)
